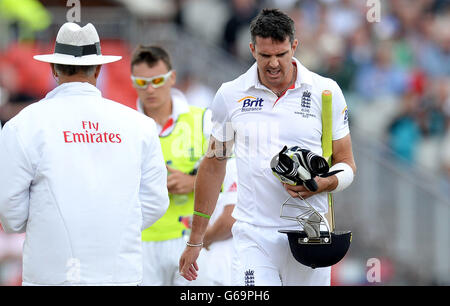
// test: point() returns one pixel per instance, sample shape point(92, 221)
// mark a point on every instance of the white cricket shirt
point(261, 124)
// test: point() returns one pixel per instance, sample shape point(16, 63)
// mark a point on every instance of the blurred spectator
point(305, 16)
point(361, 47)
point(343, 18)
point(197, 93)
point(381, 77)
point(434, 119)
point(336, 64)
point(434, 57)
point(243, 12)
point(437, 6)
point(417, 132)
point(178, 17)
point(16, 103)
point(404, 130)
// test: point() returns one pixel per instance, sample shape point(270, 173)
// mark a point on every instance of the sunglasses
point(156, 81)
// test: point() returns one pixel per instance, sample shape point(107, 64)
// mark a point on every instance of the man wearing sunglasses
point(183, 133)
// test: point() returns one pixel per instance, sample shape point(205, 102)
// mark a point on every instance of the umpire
point(80, 174)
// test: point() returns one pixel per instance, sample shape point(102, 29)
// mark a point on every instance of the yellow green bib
point(182, 148)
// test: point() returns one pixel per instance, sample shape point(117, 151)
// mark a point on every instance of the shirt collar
point(304, 76)
point(74, 88)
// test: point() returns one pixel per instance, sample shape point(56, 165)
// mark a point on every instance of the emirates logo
point(91, 134)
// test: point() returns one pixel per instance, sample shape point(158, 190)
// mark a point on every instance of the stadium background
point(395, 75)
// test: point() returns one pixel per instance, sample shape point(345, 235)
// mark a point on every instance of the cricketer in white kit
point(277, 102)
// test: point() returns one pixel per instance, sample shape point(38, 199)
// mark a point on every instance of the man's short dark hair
point(274, 24)
point(150, 55)
point(70, 70)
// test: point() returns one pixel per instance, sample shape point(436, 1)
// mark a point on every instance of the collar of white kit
point(74, 88)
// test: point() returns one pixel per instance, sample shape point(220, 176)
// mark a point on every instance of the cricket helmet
point(314, 244)
point(316, 253)
point(311, 246)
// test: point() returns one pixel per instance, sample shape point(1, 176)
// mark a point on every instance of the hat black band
point(78, 50)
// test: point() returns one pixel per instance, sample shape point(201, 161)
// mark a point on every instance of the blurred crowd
point(395, 73)
point(394, 70)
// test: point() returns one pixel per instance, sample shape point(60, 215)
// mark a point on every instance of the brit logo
point(306, 99)
point(251, 103)
point(345, 113)
point(250, 278)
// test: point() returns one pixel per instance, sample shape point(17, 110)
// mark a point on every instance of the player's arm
point(342, 155)
point(207, 188)
point(221, 229)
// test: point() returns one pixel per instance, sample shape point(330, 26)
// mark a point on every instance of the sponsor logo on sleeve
point(345, 113)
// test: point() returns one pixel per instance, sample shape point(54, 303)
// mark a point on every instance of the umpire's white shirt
point(82, 175)
point(261, 124)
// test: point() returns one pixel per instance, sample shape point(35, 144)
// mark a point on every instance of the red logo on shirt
point(233, 188)
point(91, 134)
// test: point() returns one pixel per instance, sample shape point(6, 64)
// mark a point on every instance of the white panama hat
point(79, 46)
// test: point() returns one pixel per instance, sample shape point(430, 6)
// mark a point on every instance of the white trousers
point(161, 260)
point(215, 265)
point(265, 259)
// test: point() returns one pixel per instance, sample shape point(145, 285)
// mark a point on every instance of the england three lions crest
point(306, 99)
point(305, 106)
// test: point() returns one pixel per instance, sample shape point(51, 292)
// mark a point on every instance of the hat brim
point(87, 60)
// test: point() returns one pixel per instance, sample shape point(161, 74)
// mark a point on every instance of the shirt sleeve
point(221, 123)
point(16, 176)
point(207, 123)
point(153, 193)
point(340, 113)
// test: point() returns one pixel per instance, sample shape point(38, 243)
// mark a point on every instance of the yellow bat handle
point(327, 144)
point(327, 125)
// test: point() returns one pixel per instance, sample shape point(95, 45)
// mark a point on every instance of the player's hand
point(179, 182)
point(323, 184)
point(188, 263)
